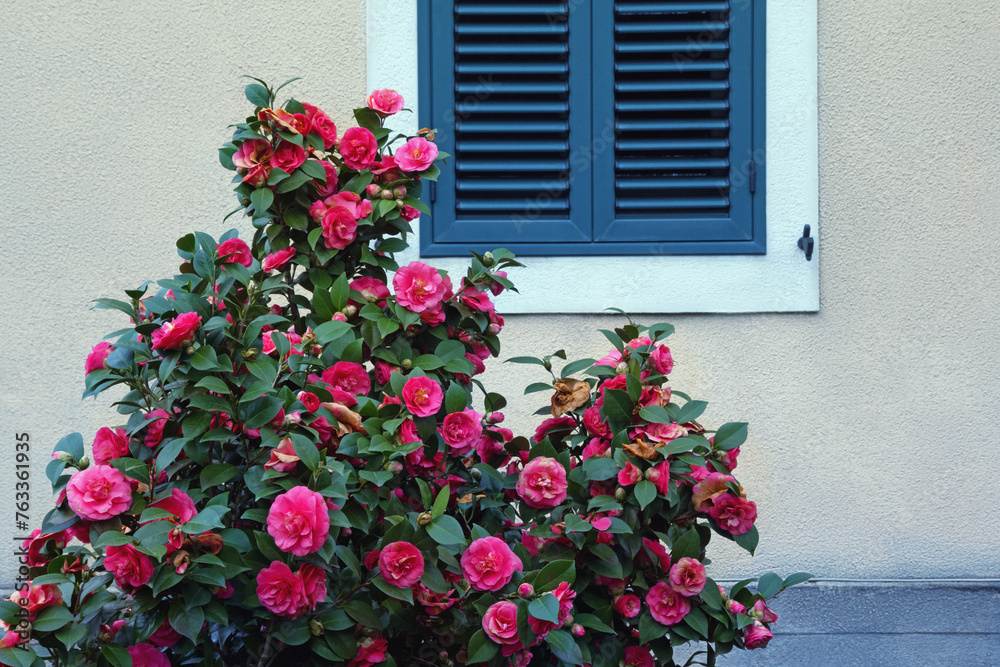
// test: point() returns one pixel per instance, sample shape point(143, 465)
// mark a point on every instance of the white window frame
point(780, 281)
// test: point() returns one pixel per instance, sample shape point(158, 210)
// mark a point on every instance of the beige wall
point(872, 450)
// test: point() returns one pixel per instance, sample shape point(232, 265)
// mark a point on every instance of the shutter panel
point(503, 78)
point(680, 109)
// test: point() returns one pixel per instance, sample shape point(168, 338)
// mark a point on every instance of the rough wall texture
point(115, 110)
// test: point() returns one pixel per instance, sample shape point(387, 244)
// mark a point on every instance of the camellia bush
point(309, 471)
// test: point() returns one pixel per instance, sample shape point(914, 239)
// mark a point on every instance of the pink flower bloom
point(595, 448)
point(39, 597)
point(433, 603)
point(594, 424)
point(418, 287)
point(288, 157)
point(147, 655)
point(417, 154)
point(489, 564)
point(296, 123)
point(327, 187)
point(165, 635)
point(661, 360)
point(309, 400)
point(179, 504)
point(385, 102)
point(313, 584)
point(281, 591)
point(657, 550)
point(565, 597)
point(542, 483)
point(97, 358)
point(687, 577)
point(401, 564)
point(705, 492)
point(638, 656)
point(371, 651)
point(629, 475)
point(109, 445)
point(298, 521)
point(601, 524)
point(372, 289)
point(283, 457)
point(734, 606)
point(130, 566)
point(756, 635)
point(659, 475)
point(558, 427)
point(321, 125)
point(732, 513)
point(177, 333)
point(237, 250)
point(349, 377)
point(729, 458)
point(667, 605)
point(422, 396)
point(628, 606)
point(340, 227)
point(500, 623)
point(358, 147)
point(278, 259)
point(663, 432)
point(252, 153)
point(461, 431)
point(99, 492)
point(762, 612)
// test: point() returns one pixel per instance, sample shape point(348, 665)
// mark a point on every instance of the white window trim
point(780, 281)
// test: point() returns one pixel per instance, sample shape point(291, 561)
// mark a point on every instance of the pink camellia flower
point(657, 550)
point(281, 591)
point(756, 635)
point(237, 250)
point(340, 227)
point(417, 154)
point(638, 656)
point(253, 160)
point(165, 635)
point(97, 358)
point(154, 432)
point(422, 396)
point(401, 564)
point(628, 606)
point(99, 492)
point(667, 605)
point(542, 483)
point(177, 333)
point(433, 603)
point(709, 489)
point(278, 259)
point(557, 427)
point(687, 577)
point(179, 504)
point(310, 400)
point(663, 432)
point(147, 655)
point(358, 147)
point(418, 287)
point(313, 584)
point(629, 475)
point(296, 123)
point(108, 632)
point(288, 157)
point(298, 521)
point(659, 475)
point(321, 125)
point(732, 513)
point(348, 376)
point(109, 444)
point(500, 623)
point(130, 566)
point(461, 431)
point(385, 102)
point(371, 651)
point(327, 187)
point(661, 360)
point(39, 597)
point(283, 457)
point(489, 564)
point(372, 289)
point(734, 606)
point(729, 458)
point(565, 596)
point(762, 612)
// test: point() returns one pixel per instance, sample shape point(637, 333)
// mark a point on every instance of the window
point(604, 128)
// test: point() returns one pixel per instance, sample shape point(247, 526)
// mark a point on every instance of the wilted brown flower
point(570, 395)
point(641, 449)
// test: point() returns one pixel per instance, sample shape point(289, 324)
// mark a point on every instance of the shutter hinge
point(752, 173)
point(433, 191)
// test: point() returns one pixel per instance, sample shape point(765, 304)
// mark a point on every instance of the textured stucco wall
point(114, 113)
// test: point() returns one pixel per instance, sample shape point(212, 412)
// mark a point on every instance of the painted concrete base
point(848, 624)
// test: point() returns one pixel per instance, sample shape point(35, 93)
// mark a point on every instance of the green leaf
point(212, 383)
point(730, 436)
point(536, 387)
point(649, 629)
point(404, 594)
point(748, 540)
point(606, 562)
point(593, 622)
point(686, 546)
point(564, 647)
point(70, 635)
point(340, 292)
point(441, 502)
point(576, 366)
point(769, 585)
point(217, 473)
point(600, 468)
point(691, 411)
point(446, 530)
point(306, 451)
point(710, 594)
point(795, 579)
point(262, 198)
point(525, 360)
point(698, 621)
point(71, 444)
point(618, 409)
point(481, 648)
point(331, 331)
point(204, 359)
point(545, 608)
point(260, 411)
point(645, 493)
point(52, 618)
point(257, 95)
point(456, 398)
point(655, 414)
point(169, 452)
point(555, 572)
point(185, 619)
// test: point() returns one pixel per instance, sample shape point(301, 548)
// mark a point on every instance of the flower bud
point(83, 463)
point(476, 473)
point(621, 368)
point(525, 591)
point(316, 628)
point(494, 329)
point(250, 353)
point(339, 317)
point(63, 456)
point(495, 418)
point(189, 350)
point(386, 194)
point(569, 621)
point(374, 190)
point(620, 494)
point(350, 310)
point(488, 259)
point(443, 655)
point(293, 419)
point(547, 363)
point(424, 518)
point(399, 191)
point(308, 338)
point(578, 630)
point(406, 364)
point(395, 467)
point(426, 132)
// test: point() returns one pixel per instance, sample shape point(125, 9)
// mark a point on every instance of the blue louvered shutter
point(502, 79)
point(679, 77)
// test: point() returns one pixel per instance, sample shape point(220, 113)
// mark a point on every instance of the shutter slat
point(517, 48)
point(516, 88)
point(519, 107)
point(626, 8)
point(502, 8)
point(502, 206)
point(511, 126)
point(526, 164)
point(672, 125)
point(703, 27)
point(671, 86)
point(536, 68)
point(683, 183)
point(661, 46)
point(672, 144)
point(506, 185)
point(478, 30)
point(656, 203)
point(653, 106)
point(672, 66)
point(661, 164)
point(536, 145)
